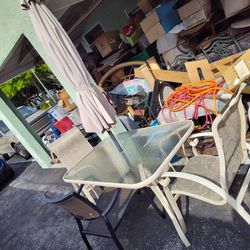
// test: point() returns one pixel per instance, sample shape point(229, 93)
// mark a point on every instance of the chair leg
point(168, 209)
point(230, 200)
point(187, 206)
point(244, 187)
point(112, 233)
point(157, 209)
point(239, 208)
point(84, 238)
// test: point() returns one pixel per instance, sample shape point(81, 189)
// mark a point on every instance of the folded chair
point(207, 177)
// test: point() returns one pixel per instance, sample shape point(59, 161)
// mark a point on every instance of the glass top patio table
point(146, 154)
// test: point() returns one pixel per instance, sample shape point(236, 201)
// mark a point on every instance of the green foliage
point(46, 105)
point(43, 71)
point(13, 86)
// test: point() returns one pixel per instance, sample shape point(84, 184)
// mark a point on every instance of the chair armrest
point(193, 140)
point(203, 134)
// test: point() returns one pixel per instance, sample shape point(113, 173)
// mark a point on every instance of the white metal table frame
point(151, 180)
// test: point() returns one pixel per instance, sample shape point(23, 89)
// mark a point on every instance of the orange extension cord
point(194, 94)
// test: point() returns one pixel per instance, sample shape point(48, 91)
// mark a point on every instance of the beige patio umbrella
point(95, 111)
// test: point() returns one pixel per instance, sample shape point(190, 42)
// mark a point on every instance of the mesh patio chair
point(105, 216)
point(207, 177)
point(70, 149)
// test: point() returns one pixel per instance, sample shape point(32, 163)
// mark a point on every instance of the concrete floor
point(28, 224)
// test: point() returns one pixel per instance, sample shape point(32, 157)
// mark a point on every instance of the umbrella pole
point(114, 140)
point(118, 146)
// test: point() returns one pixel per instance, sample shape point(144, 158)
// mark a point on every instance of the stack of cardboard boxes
point(152, 27)
point(161, 20)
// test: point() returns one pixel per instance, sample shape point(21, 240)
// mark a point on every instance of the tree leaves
point(13, 86)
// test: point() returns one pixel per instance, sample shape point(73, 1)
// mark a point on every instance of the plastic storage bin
point(64, 124)
point(57, 112)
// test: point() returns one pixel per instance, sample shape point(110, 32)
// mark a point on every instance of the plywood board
point(137, 73)
point(193, 73)
point(230, 74)
point(147, 75)
point(153, 65)
point(171, 76)
point(225, 61)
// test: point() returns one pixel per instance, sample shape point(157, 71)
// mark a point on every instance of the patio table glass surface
point(146, 154)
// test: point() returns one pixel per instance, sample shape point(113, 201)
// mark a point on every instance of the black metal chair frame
point(103, 214)
point(179, 63)
point(220, 46)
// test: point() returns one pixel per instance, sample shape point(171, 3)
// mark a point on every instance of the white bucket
point(57, 112)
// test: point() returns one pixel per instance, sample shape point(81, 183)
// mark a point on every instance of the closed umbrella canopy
point(96, 112)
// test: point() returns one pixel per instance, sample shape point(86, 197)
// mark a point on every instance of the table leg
point(157, 191)
point(175, 208)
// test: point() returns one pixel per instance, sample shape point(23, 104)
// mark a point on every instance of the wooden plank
point(225, 61)
point(222, 68)
point(246, 90)
point(147, 75)
point(171, 76)
point(193, 73)
point(137, 73)
point(153, 65)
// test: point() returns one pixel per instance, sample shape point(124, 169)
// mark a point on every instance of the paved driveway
point(28, 224)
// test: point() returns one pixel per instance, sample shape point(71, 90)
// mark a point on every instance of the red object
point(128, 29)
point(64, 124)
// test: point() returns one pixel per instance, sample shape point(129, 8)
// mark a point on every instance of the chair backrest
point(229, 130)
point(71, 147)
point(221, 47)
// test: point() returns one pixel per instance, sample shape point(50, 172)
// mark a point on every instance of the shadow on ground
point(26, 223)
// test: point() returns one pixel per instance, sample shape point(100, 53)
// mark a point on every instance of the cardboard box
point(65, 101)
point(154, 32)
point(108, 42)
point(149, 21)
point(238, 72)
point(192, 7)
point(145, 5)
point(197, 18)
point(232, 7)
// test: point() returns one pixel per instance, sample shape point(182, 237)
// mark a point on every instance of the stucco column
point(23, 131)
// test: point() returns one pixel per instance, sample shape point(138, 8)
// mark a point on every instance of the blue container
point(168, 16)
